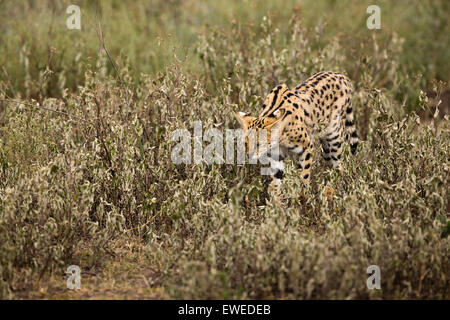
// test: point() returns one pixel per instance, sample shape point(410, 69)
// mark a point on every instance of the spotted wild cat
point(320, 109)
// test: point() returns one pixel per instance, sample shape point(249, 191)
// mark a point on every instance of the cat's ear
point(279, 113)
point(244, 119)
point(273, 122)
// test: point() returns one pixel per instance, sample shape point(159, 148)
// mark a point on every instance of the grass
point(92, 183)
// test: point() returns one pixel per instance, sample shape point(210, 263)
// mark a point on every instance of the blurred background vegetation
point(150, 34)
point(86, 176)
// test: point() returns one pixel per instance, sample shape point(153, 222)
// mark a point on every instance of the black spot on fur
point(333, 138)
point(279, 174)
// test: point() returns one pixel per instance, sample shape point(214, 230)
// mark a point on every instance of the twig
point(45, 108)
point(101, 37)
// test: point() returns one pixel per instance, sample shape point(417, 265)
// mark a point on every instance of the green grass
point(94, 184)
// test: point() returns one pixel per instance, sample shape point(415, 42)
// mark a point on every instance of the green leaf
point(446, 230)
